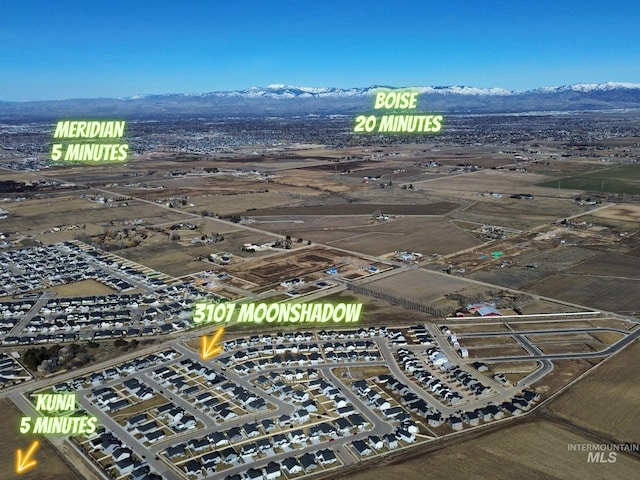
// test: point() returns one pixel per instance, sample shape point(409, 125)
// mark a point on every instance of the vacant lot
point(625, 212)
point(529, 450)
point(278, 268)
point(606, 401)
point(481, 342)
point(49, 466)
point(497, 351)
point(82, 288)
point(418, 285)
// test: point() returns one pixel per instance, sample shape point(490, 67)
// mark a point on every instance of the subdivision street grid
point(274, 404)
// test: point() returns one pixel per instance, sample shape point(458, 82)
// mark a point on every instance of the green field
point(618, 179)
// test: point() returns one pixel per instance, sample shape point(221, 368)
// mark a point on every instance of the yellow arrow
point(22, 461)
point(209, 348)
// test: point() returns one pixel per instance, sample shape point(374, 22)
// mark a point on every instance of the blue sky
point(67, 49)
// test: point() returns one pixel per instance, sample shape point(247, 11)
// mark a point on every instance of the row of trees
point(400, 301)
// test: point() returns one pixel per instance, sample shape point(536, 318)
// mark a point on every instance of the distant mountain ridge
point(280, 99)
point(282, 91)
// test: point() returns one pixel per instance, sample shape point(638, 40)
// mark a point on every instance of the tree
point(120, 342)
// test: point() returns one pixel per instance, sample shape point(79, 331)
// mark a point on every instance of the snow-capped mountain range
point(282, 100)
point(282, 91)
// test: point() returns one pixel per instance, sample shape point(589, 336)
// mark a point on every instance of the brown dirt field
point(610, 294)
point(484, 342)
point(311, 181)
point(559, 337)
point(232, 204)
point(419, 285)
point(487, 180)
point(532, 450)
point(34, 216)
point(423, 235)
point(438, 208)
point(426, 234)
point(49, 466)
point(82, 288)
point(606, 401)
point(125, 413)
point(518, 214)
point(278, 268)
point(564, 372)
point(575, 347)
point(228, 294)
point(177, 258)
point(544, 306)
point(19, 176)
point(545, 325)
point(169, 258)
point(616, 224)
point(492, 352)
point(513, 367)
point(362, 372)
point(462, 328)
point(624, 212)
point(379, 312)
point(608, 338)
point(609, 265)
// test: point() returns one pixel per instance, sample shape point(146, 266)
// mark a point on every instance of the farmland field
point(423, 235)
point(412, 233)
point(505, 182)
point(49, 467)
point(606, 401)
point(437, 208)
point(607, 293)
point(609, 265)
point(617, 179)
point(529, 450)
point(627, 213)
point(419, 285)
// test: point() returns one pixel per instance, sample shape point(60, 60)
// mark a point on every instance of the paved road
point(570, 356)
point(546, 331)
point(546, 367)
point(24, 321)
